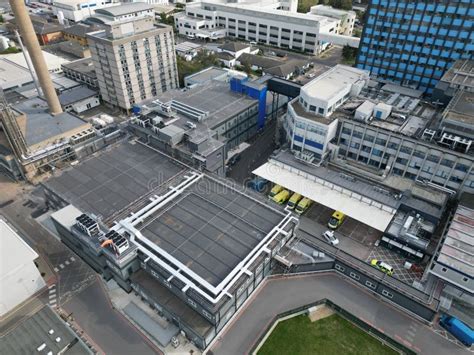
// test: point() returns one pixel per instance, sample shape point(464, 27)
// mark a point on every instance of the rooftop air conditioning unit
point(191, 125)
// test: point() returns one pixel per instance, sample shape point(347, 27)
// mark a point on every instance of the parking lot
point(396, 261)
point(350, 228)
point(359, 240)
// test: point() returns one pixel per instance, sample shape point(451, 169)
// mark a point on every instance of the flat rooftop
point(216, 98)
point(300, 111)
point(457, 251)
point(461, 108)
point(211, 228)
point(206, 75)
point(40, 125)
point(83, 66)
point(31, 333)
point(330, 83)
point(461, 73)
point(110, 181)
point(13, 74)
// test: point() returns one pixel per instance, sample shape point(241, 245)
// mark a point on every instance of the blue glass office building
point(414, 42)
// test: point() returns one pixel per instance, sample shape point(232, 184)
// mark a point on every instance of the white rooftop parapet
point(339, 39)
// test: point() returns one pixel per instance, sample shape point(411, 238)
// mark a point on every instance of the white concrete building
point(150, 2)
point(346, 18)
point(19, 277)
point(134, 58)
point(309, 124)
point(79, 99)
point(77, 10)
point(268, 22)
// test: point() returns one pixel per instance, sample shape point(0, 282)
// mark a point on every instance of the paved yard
point(396, 261)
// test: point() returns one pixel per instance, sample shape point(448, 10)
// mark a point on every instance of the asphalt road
point(278, 295)
point(255, 155)
point(112, 333)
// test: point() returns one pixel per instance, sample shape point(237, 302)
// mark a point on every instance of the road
point(278, 295)
point(112, 333)
point(254, 156)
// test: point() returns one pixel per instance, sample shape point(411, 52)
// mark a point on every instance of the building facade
point(309, 124)
point(134, 59)
point(274, 23)
point(413, 42)
point(78, 10)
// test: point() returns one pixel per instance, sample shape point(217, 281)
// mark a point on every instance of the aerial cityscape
point(236, 177)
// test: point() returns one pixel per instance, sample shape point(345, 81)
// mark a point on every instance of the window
point(354, 276)
point(387, 294)
point(339, 267)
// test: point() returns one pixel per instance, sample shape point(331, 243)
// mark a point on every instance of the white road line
point(72, 258)
point(61, 266)
point(66, 262)
point(56, 269)
point(52, 296)
point(52, 286)
point(52, 291)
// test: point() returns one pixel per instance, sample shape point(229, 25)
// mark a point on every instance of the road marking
point(52, 286)
point(66, 262)
point(61, 266)
point(72, 258)
point(52, 296)
point(56, 269)
point(52, 292)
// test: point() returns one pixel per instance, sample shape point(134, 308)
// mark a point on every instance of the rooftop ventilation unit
point(87, 225)
point(190, 125)
point(428, 134)
point(456, 142)
point(189, 111)
point(163, 108)
point(117, 241)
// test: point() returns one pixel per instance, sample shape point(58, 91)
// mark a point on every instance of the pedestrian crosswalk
point(64, 264)
point(52, 296)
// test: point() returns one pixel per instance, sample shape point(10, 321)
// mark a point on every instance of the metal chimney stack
point(29, 38)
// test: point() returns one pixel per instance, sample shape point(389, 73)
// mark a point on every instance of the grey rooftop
point(35, 331)
point(108, 183)
point(211, 229)
point(41, 125)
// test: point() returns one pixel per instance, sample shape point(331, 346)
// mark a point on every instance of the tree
point(1, 18)
point(167, 19)
point(349, 54)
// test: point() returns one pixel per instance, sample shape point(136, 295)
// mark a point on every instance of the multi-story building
point(414, 42)
point(78, 10)
point(382, 130)
point(459, 77)
point(134, 59)
point(82, 70)
point(274, 23)
point(202, 124)
point(174, 249)
point(452, 262)
point(309, 123)
point(406, 139)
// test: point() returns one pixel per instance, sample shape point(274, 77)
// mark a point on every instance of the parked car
point(303, 205)
point(336, 219)
point(382, 266)
point(330, 237)
point(282, 197)
point(275, 190)
point(295, 198)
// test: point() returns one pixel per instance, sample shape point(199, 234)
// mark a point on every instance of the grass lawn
point(331, 335)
